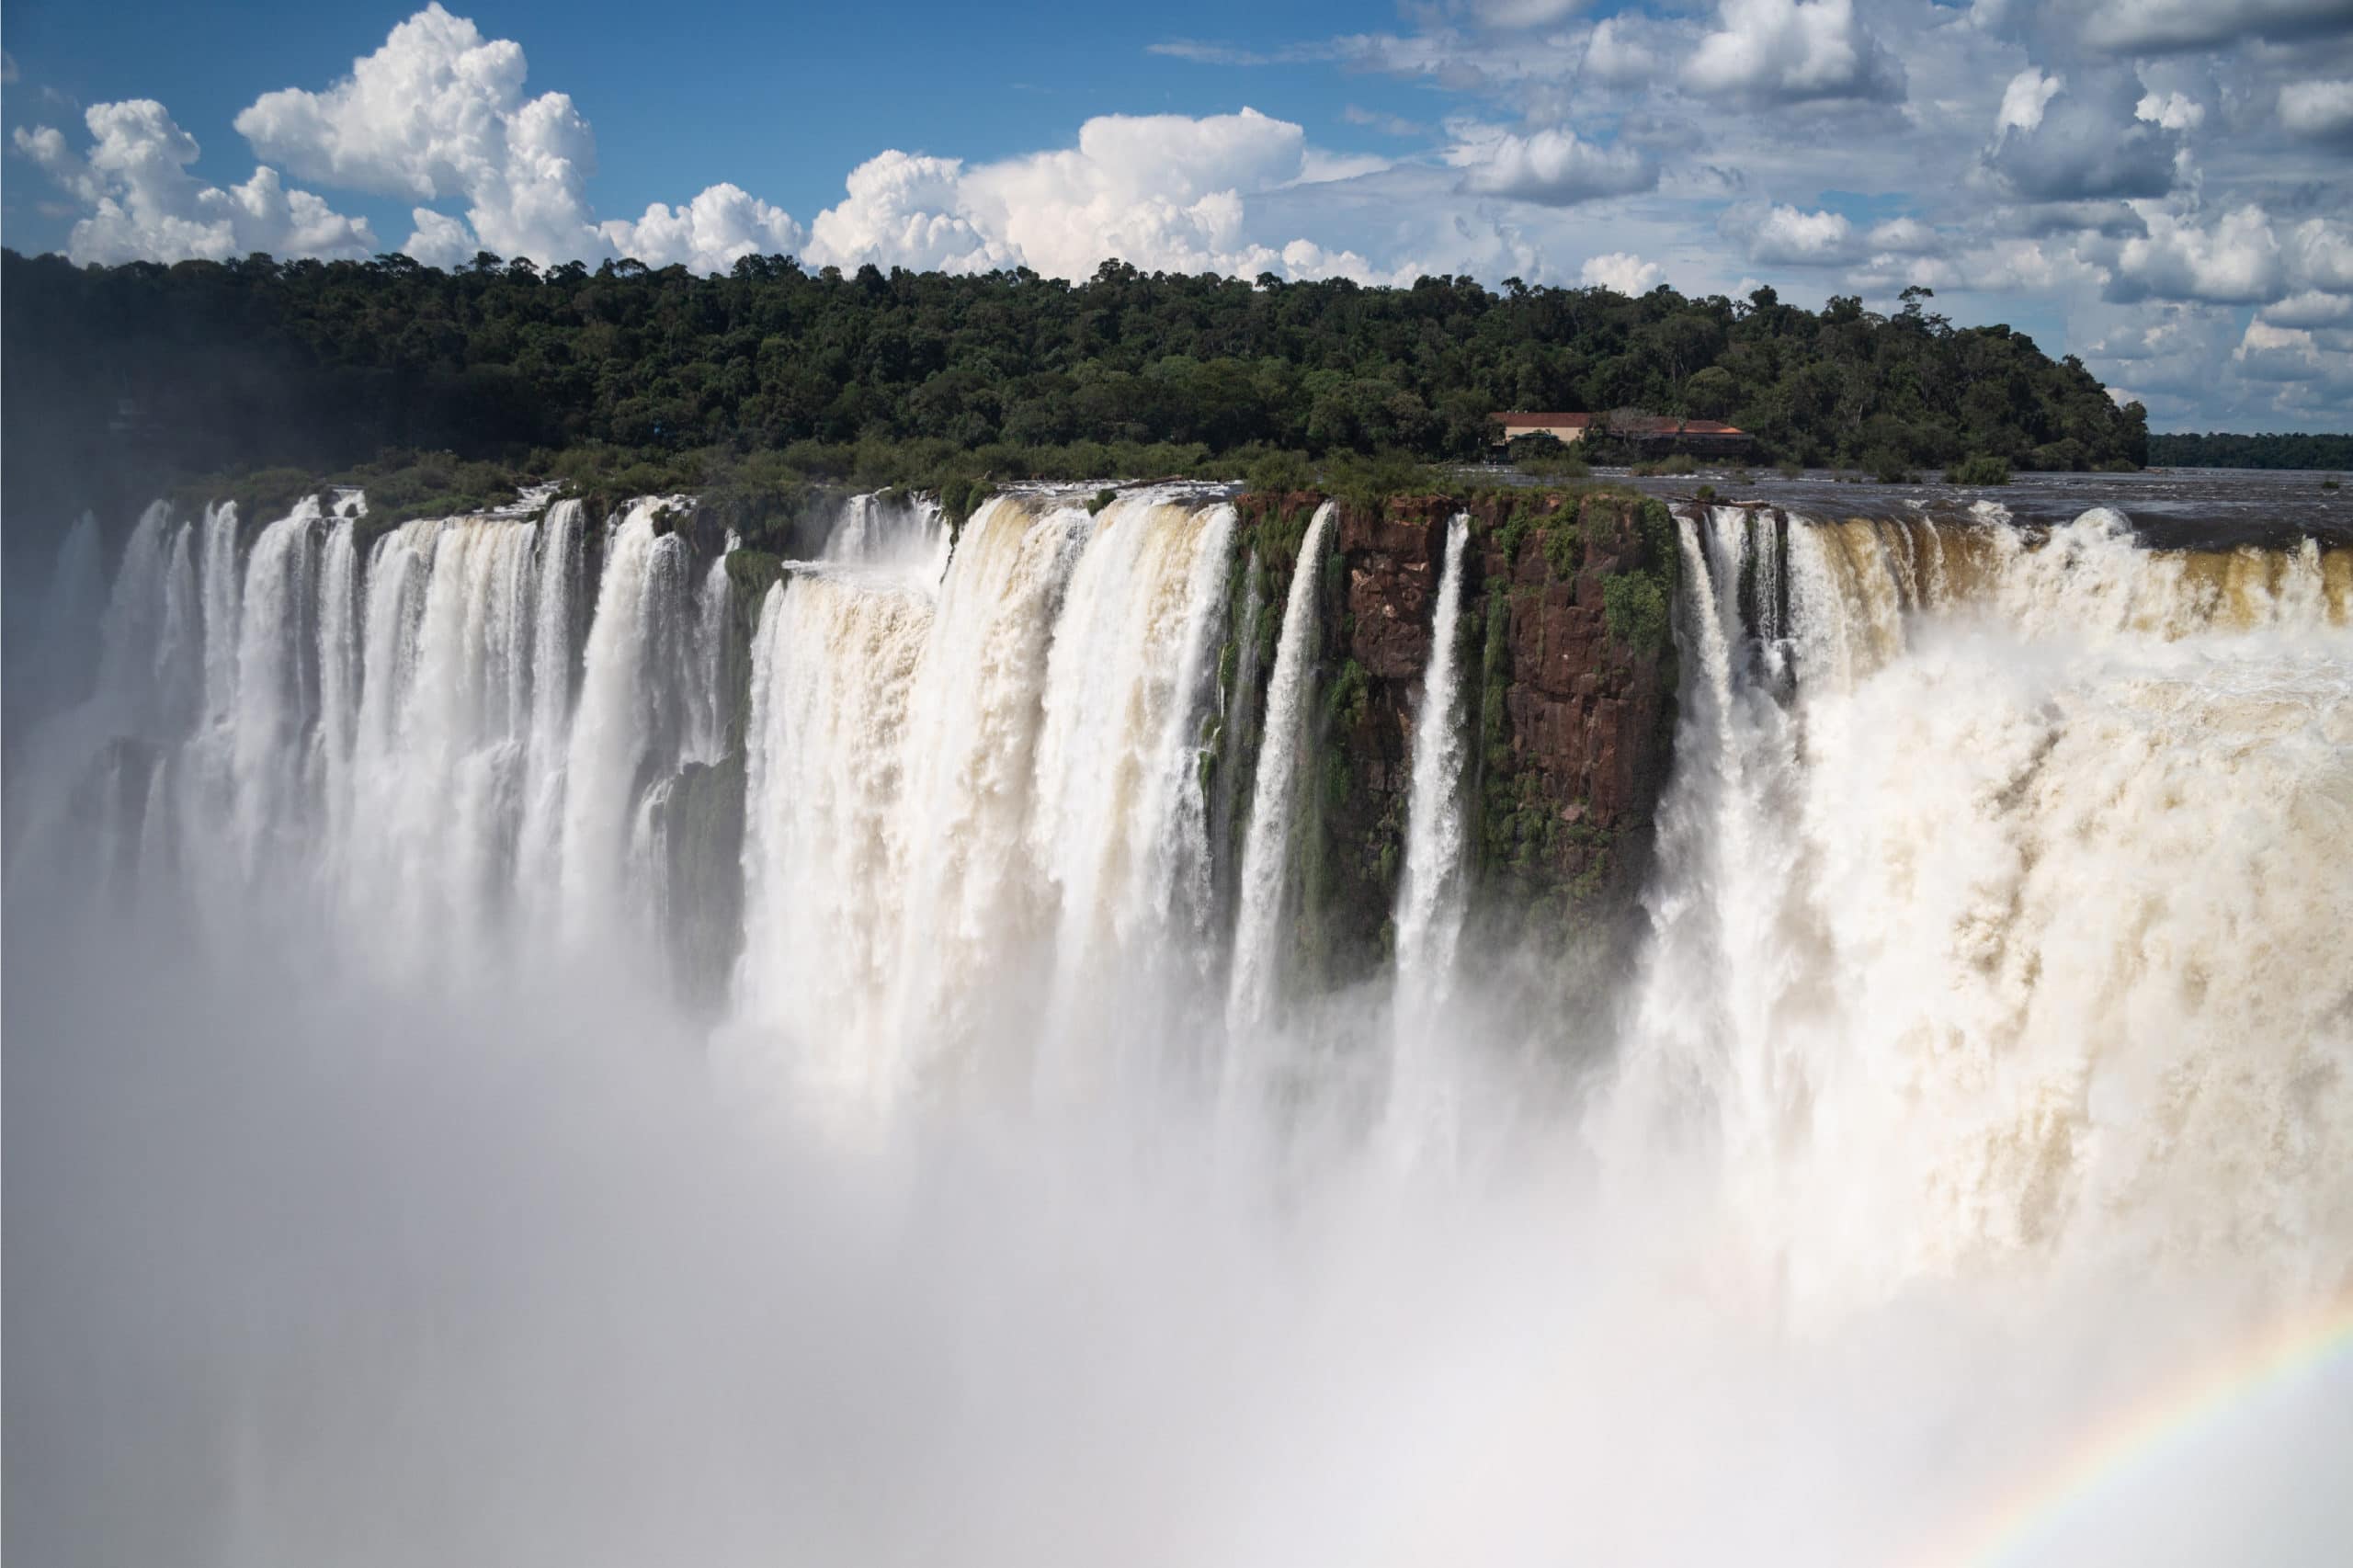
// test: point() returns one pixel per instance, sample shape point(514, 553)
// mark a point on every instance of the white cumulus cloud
point(1628, 274)
point(439, 113)
point(2268, 353)
point(1903, 236)
point(1794, 51)
point(2025, 98)
point(143, 205)
point(711, 233)
point(1166, 193)
point(2170, 111)
point(2237, 261)
point(1554, 167)
point(1788, 236)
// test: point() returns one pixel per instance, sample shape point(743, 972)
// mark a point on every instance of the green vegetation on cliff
point(922, 378)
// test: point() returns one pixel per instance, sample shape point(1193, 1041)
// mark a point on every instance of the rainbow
point(2133, 1437)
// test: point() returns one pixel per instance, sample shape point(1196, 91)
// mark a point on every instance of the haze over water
point(400, 1170)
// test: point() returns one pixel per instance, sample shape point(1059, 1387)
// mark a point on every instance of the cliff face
point(1570, 688)
point(1568, 684)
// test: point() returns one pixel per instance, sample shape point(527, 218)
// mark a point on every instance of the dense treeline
point(2218, 449)
point(203, 366)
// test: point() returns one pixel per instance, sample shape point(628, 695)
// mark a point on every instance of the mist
point(349, 1229)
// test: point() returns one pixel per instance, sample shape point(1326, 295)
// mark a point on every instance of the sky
point(2164, 188)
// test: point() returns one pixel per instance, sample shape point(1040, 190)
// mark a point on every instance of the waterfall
point(833, 666)
point(1258, 931)
point(628, 716)
point(1429, 900)
point(389, 738)
point(1999, 885)
point(977, 847)
point(707, 721)
point(1113, 827)
point(976, 798)
point(1238, 704)
point(905, 536)
point(1430, 897)
point(276, 686)
point(558, 545)
point(218, 583)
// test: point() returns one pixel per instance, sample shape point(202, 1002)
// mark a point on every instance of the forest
point(2217, 449)
point(162, 373)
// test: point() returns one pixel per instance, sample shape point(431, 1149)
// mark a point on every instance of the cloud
point(2235, 262)
point(2309, 309)
point(2320, 256)
point(905, 210)
point(1903, 236)
point(141, 204)
point(1163, 192)
point(1553, 166)
point(2025, 98)
point(8, 72)
point(2320, 111)
point(1202, 53)
point(439, 113)
point(2149, 26)
point(711, 233)
point(2055, 145)
point(2268, 353)
point(1629, 275)
point(2170, 111)
point(1616, 53)
point(1785, 236)
point(1522, 14)
point(1794, 51)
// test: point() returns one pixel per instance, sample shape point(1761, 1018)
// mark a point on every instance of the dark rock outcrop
point(1569, 687)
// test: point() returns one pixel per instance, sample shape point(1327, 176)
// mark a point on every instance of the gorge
point(1619, 933)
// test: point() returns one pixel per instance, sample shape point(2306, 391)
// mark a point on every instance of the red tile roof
point(1640, 425)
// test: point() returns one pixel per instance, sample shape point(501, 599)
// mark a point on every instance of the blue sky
point(2160, 186)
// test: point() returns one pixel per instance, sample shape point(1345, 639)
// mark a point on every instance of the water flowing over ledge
point(1277, 1056)
point(1047, 802)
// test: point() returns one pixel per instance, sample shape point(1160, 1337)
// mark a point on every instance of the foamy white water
point(1431, 895)
point(1259, 935)
point(1987, 1064)
point(1996, 906)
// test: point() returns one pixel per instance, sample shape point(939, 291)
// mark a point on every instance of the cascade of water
point(707, 721)
point(1121, 701)
point(559, 545)
point(339, 654)
point(276, 689)
point(132, 627)
point(1117, 829)
point(1238, 703)
point(629, 719)
point(907, 536)
point(1982, 879)
point(1266, 852)
point(177, 681)
point(1429, 898)
point(220, 585)
point(833, 668)
point(974, 903)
